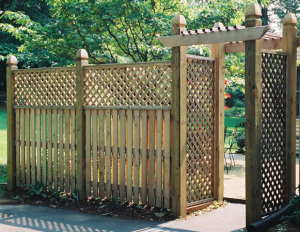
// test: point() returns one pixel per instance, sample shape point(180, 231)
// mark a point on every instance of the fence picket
point(144, 157)
point(115, 154)
point(95, 156)
point(122, 136)
point(33, 147)
point(28, 167)
point(50, 172)
point(88, 152)
point(136, 155)
point(159, 159)
point(151, 157)
point(67, 150)
point(61, 150)
point(38, 141)
point(108, 153)
point(73, 158)
point(166, 162)
point(101, 153)
point(44, 148)
point(129, 155)
point(55, 148)
point(18, 156)
point(22, 132)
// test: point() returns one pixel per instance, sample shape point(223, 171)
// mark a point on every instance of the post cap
point(253, 11)
point(290, 19)
point(179, 21)
point(218, 24)
point(11, 60)
point(82, 55)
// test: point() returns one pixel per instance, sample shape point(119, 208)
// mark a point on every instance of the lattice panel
point(128, 86)
point(273, 132)
point(201, 105)
point(45, 87)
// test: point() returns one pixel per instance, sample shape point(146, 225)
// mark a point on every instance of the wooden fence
point(127, 130)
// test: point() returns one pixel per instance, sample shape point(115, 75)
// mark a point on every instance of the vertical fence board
point(159, 159)
point(33, 148)
point(95, 156)
point(167, 161)
point(27, 130)
point(129, 155)
point(73, 157)
point(136, 155)
point(38, 141)
point(44, 149)
point(50, 179)
point(67, 150)
point(88, 152)
point(55, 148)
point(18, 147)
point(115, 154)
point(122, 136)
point(22, 146)
point(61, 150)
point(108, 153)
point(144, 157)
point(101, 154)
point(151, 157)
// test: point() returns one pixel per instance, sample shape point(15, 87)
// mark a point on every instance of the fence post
point(289, 45)
point(179, 124)
point(11, 122)
point(218, 52)
point(253, 87)
point(81, 61)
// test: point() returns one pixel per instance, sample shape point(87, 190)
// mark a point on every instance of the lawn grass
point(3, 145)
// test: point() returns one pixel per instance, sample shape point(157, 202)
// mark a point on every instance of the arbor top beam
point(214, 35)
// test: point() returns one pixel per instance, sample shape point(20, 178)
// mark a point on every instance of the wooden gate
point(201, 106)
point(274, 141)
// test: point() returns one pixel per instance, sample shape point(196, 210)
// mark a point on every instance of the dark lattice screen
point(200, 129)
point(273, 132)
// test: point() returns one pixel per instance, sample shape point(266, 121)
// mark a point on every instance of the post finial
point(82, 54)
point(290, 19)
point(179, 21)
point(11, 60)
point(253, 11)
point(218, 24)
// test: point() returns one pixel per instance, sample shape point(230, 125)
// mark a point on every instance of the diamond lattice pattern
point(48, 87)
point(201, 106)
point(273, 132)
point(128, 86)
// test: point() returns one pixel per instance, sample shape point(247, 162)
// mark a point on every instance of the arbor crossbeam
point(208, 36)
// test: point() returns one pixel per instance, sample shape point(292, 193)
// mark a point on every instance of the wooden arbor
point(270, 108)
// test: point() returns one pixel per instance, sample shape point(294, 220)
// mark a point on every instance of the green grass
point(230, 122)
point(3, 145)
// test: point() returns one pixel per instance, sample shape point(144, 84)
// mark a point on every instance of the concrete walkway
point(26, 218)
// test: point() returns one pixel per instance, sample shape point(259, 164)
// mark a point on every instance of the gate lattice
point(201, 105)
point(273, 131)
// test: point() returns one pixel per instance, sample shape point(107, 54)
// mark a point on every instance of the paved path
point(234, 181)
point(26, 218)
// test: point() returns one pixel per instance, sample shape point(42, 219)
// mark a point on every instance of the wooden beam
point(218, 52)
point(289, 45)
point(210, 37)
point(81, 61)
point(253, 117)
point(11, 123)
point(179, 124)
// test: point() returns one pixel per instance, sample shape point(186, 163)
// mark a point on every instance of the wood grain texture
point(218, 52)
point(18, 155)
point(136, 152)
point(61, 150)
point(101, 153)
point(38, 148)
point(33, 147)
point(253, 88)
point(27, 139)
point(50, 171)
point(88, 152)
point(95, 154)
point(115, 154)
point(67, 150)
point(122, 137)
point(144, 157)
point(108, 152)
point(129, 154)
point(44, 147)
point(159, 141)
point(167, 159)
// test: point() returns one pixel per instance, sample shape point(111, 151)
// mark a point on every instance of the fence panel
point(129, 105)
point(274, 145)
